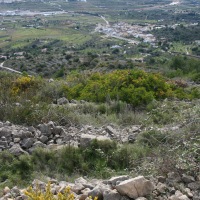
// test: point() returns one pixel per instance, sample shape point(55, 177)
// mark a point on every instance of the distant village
point(128, 31)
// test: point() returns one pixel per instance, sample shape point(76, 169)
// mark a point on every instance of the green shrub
point(154, 138)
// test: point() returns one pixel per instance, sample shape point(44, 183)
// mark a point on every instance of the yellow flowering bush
point(22, 84)
point(38, 194)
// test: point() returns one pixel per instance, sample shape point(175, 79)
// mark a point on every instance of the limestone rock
point(27, 143)
point(3, 144)
point(111, 131)
point(43, 138)
point(161, 188)
point(188, 192)
point(187, 179)
point(86, 139)
point(111, 195)
point(15, 191)
point(62, 101)
point(114, 180)
point(46, 129)
point(38, 184)
point(96, 192)
point(4, 131)
point(17, 150)
point(178, 196)
point(194, 185)
point(6, 190)
point(135, 187)
point(173, 177)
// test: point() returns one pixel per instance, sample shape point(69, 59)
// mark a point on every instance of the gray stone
point(31, 129)
point(135, 187)
point(182, 197)
point(188, 192)
point(82, 101)
point(6, 190)
point(86, 139)
point(85, 191)
point(46, 129)
point(43, 139)
point(74, 101)
point(131, 138)
point(7, 123)
point(17, 150)
point(11, 144)
point(62, 101)
point(59, 141)
point(80, 180)
point(17, 140)
point(4, 144)
point(5, 132)
point(3, 138)
point(114, 180)
point(102, 138)
point(38, 184)
point(194, 185)
point(27, 143)
point(15, 191)
point(111, 195)
point(161, 179)
point(96, 192)
point(37, 145)
point(1, 124)
point(111, 131)
point(173, 177)
point(58, 130)
point(25, 134)
point(77, 188)
point(82, 197)
point(187, 179)
point(161, 188)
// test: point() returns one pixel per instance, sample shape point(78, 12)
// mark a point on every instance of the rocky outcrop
point(19, 139)
point(135, 187)
point(119, 188)
point(83, 188)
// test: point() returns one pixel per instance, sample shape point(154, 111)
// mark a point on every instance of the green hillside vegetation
point(31, 98)
point(131, 86)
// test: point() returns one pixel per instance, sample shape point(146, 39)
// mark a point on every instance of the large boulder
point(135, 187)
point(17, 150)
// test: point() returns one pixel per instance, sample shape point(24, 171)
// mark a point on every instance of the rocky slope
point(20, 139)
point(172, 187)
point(23, 140)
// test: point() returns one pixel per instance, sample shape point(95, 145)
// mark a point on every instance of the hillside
point(100, 100)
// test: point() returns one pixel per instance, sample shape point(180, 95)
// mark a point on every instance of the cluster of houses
point(122, 29)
